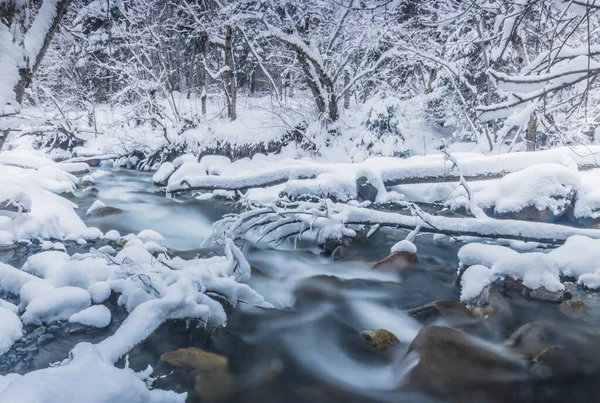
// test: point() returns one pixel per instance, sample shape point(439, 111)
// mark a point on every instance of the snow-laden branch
point(330, 222)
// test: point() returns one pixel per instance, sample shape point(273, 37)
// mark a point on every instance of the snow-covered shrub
point(383, 117)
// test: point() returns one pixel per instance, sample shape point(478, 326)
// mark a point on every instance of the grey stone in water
point(452, 364)
point(545, 295)
point(365, 190)
point(45, 338)
point(105, 211)
point(572, 308)
point(381, 339)
point(440, 309)
point(529, 340)
point(555, 361)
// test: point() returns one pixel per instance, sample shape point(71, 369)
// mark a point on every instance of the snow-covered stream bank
point(307, 350)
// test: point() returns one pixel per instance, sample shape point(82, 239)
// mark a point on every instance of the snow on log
point(393, 171)
point(330, 222)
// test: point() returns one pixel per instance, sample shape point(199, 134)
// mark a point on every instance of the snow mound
point(149, 235)
point(56, 304)
point(578, 257)
point(96, 316)
point(161, 176)
point(11, 329)
point(404, 246)
point(87, 377)
point(97, 205)
point(31, 182)
point(186, 172)
point(546, 187)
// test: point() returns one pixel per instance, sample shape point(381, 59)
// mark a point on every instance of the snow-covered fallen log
point(385, 170)
point(329, 222)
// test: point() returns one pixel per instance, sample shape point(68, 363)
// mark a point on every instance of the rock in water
point(99, 209)
point(397, 262)
point(215, 386)
point(195, 359)
point(572, 308)
point(545, 295)
point(365, 190)
point(381, 339)
point(440, 309)
point(529, 340)
point(455, 365)
point(555, 361)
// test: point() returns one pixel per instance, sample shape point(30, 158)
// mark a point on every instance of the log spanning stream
point(309, 349)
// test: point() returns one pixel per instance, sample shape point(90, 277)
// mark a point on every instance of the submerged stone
point(440, 309)
point(398, 262)
point(529, 340)
point(195, 359)
point(452, 364)
point(544, 295)
point(381, 339)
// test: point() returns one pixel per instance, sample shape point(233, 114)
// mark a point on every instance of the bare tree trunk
point(530, 133)
point(347, 93)
point(26, 74)
point(230, 75)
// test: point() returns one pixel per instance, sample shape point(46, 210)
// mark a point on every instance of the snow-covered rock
point(95, 316)
point(185, 171)
point(183, 159)
point(87, 180)
point(99, 209)
point(11, 329)
point(56, 304)
point(148, 235)
point(87, 377)
point(542, 192)
point(161, 176)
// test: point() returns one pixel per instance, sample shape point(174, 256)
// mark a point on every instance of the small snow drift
point(578, 257)
point(86, 377)
point(542, 192)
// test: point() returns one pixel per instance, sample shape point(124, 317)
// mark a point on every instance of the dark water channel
point(307, 350)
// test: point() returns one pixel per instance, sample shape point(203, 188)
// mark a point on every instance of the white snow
point(97, 205)
point(161, 176)
point(404, 246)
point(112, 235)
point(96, 316)
point(99, 291)
point(87, 377)
point(56, 304)
point(148, 235)
point(11, 329)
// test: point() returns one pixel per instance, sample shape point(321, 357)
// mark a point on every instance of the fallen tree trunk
point(329, 223)
point(398, 171)
point(526, 231)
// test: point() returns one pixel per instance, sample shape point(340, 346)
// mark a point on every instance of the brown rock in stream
point(195, 359)
point(456, 366)
point(529, 340)
point(572, 308)
point(555, 361)
point(215, 386)
point(398, 262)
point(381, 339)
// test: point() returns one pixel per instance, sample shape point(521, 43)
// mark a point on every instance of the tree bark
point(530, 133)
point(230, 75)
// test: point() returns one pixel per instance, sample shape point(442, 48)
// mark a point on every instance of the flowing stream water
point(307, 350)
